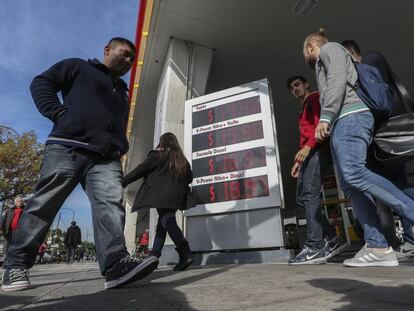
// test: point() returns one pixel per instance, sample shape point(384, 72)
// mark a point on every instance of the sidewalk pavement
point(224, 287)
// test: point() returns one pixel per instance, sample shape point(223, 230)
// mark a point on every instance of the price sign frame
point(274, 197)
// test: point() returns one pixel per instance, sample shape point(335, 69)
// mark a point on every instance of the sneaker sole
point(15, 287)
point(337, 251)
point(390, 263)
point(138, 273)
point(317, 261)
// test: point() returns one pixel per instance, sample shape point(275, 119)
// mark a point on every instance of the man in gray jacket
point(350, 124)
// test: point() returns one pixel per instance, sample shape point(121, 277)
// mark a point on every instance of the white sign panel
point(230, 141)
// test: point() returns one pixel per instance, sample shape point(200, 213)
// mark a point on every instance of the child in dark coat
point(167, 174)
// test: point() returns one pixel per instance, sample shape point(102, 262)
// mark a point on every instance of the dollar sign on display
point(210, 139)
point(211, 166)
point(210, 116)
point(212, 194)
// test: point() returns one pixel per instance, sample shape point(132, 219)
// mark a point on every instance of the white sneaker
point(368, 257)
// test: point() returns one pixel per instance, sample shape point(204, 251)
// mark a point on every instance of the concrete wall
point(184, 76)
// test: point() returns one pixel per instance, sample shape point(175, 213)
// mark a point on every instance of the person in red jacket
point(11, 220)
point(310, 165)
point(143, 243)
point(144, 238)
point(42, 250)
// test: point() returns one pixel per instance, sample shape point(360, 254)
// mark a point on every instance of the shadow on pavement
point(361, 296)
point(147, 294)
point(7, 300)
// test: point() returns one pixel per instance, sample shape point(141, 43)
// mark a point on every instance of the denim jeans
point(166, 223)
point(350, 139)
point(407, 225)
point(70, 254)
point(396, 174)
point(62, 169)
point(308, 192)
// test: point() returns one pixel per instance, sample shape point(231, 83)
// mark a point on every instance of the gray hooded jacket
point(333, 69)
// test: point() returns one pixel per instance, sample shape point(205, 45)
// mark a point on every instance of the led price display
point(229, 162)
point(216, 126)
point(228, 136)
point(239, 189)
point(228, 111)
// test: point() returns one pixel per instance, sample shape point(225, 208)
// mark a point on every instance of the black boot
point(185, 256)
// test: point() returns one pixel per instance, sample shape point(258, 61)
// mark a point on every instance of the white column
point(184, 76)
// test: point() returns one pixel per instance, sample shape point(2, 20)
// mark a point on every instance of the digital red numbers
point(228, 111)
point(228, 136)
point(222, 174)
point(240, 189)
point(230, 162)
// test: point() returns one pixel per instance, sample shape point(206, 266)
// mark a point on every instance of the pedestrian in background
point(73, 238)
point(11, 220)
point(42, 250)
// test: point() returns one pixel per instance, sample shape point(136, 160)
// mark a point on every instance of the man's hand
point(322, 132)
point(295, 170)
point(302, 154)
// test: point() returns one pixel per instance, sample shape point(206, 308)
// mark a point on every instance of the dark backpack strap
point(403, 94)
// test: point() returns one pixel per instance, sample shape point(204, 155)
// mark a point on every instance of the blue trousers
point(350, 139)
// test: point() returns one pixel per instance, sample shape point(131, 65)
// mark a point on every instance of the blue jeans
point(63, 168)
point(308, 192)
point(396, 174)
point(70, 253)
point(350, 139)
point(166, 223)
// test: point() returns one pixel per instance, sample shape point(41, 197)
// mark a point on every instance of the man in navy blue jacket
point(84, 146)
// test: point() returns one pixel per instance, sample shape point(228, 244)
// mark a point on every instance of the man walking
point(310, 165)
point(11, 219)
point(396, 172)
point(85, 146)
point(73, 238)
point(350, 123)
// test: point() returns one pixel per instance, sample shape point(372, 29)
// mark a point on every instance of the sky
point(36, 34)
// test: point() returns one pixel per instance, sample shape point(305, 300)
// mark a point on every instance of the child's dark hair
point(171, 149)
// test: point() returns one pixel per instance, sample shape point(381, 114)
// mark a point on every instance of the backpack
point(373, 91)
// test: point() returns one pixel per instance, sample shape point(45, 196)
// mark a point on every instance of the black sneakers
point(15, 279)
point(334, 247)
point(309, 256)
point(128, 270)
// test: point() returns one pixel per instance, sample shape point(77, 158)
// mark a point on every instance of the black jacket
point(73, 236)
point(94, 111)
point(160, 189)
